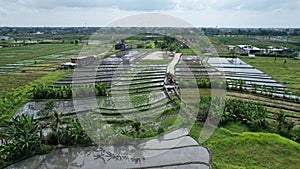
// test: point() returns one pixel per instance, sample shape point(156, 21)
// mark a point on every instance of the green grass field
point(15, 54)
point(233, 146)
point(29, 63)
point(290, 73)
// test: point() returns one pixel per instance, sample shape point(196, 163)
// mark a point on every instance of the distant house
point(248, 49)
point(69, 65)
point(151, 37)
point(83, 61)
point(39, 33)
point(278, 50)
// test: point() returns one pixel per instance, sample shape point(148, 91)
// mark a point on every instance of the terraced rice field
point(137, 94)
point(236, 69)
point(136, 88)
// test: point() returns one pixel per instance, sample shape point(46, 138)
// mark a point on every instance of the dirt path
point(171, 67)
point(158, 55)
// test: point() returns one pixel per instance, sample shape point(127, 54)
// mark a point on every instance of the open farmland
point(142, 97)
point(21, 65)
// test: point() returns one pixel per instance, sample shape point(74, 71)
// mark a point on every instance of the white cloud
point(253, 5)
point(3, 10)
point(139, 5)
point(224, 13)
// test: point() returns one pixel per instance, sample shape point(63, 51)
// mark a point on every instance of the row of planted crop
point(43, 91)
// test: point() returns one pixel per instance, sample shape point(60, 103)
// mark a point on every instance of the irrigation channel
point(139, 89)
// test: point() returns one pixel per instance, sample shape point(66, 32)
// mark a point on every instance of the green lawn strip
point(290, 73)
point(233, 146)
point(256, 150)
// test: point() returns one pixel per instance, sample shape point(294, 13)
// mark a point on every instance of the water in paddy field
point(37, 109)
point(174, 150)
point(236, 69)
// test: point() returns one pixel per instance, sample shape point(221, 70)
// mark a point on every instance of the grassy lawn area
point(233, 146)
point(290, 73)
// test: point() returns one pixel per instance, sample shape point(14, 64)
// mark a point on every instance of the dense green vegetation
point(43, 91)
point(161, 42)
point(250, 114)
point(11, 101)
point(23, 136)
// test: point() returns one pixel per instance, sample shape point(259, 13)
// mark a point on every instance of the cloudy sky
point(203, 13)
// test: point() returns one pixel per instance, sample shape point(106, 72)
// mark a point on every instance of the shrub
point(253, 115)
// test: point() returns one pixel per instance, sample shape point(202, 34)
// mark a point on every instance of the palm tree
point(55, 123)
point(280, 120)
point(290, 124)
point(23, 134)
point(136, 126)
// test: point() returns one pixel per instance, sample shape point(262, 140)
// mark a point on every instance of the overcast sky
point(202, 13)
